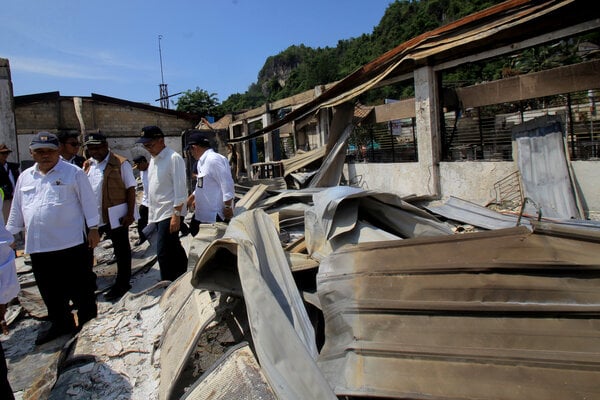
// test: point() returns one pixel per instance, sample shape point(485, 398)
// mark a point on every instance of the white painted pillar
point(428, 127)
point(8, 130)
point(322, 120)
point(266, 121)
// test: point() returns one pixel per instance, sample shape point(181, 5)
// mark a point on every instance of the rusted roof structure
point(502, 25)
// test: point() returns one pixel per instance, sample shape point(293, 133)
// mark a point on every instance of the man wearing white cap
point(54, 203)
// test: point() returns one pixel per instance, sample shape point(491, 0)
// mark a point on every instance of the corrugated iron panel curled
point(504, 314)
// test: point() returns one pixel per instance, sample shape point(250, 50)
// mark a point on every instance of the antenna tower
point(164, 93)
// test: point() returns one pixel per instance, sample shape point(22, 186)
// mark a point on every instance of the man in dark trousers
point(111, 176)
point(56, 207)
point(167, 193)
point(9, 172)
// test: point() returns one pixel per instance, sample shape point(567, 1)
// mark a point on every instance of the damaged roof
point(498, 26)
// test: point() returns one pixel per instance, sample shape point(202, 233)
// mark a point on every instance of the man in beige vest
point(111, 176)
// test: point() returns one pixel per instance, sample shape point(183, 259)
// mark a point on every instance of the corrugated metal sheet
point(543, 166)
point(410, 309)
point(504, 314)
point(467, 212)
point(236, 376)
point(250, 258)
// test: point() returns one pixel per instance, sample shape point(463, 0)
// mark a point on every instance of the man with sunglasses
point(167, 193)
point(69, 148)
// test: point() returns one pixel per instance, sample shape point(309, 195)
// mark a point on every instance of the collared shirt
point(214, 186)
point(144, 176)
point(96, 176)
point(166, 184)
point(53, 207)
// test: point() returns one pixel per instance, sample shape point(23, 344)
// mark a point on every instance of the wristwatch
point(176, 212)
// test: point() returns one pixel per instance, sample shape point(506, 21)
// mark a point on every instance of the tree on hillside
point(198, 101)
point(300, 68)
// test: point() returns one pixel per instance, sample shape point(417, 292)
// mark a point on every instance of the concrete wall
point(587, 183)
point(7, 119)
point(124, 146)
point(121, 123)
point(469, 180)
point(403, 179)
point(113, 119)
point(472, 181)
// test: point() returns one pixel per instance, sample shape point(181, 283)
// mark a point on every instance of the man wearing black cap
point(141, 163)
point(167, 193)
point(111, 176)
point(9, 172)
point(213, 195)
point(53, 204)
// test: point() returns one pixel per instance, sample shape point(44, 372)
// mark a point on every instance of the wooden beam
point(551, 82)
point(388, 112)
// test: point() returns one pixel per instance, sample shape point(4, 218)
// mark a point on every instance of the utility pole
point(164, 93)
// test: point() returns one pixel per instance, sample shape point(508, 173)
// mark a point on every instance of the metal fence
point(391, 142)
point(484, 133)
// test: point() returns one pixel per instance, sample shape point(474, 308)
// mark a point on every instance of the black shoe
point(116, 292)
point(53, 333)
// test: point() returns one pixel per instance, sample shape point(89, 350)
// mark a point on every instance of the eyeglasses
point(74, 144)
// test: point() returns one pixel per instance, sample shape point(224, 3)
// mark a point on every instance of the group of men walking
point(64, 203)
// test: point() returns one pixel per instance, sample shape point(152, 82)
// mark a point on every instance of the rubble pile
point(343, 292)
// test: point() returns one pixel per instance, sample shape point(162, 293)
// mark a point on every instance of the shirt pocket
point(28, 195)
point(57, 194)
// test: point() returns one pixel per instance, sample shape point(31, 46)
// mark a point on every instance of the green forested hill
point(300, 68)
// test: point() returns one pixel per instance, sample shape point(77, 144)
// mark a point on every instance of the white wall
point(403, 179)
point(469, 180)
point(587, 180)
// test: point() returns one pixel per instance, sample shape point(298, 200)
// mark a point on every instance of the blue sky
point(111, 47)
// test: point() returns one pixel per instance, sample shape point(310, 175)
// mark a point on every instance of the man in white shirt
point(214, 193)
point(111, 177)
point(55, 204)
point(167, 193)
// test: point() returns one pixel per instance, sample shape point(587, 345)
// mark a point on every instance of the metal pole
point(162, 78)
point(164, 93)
